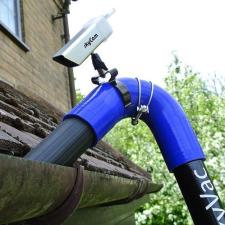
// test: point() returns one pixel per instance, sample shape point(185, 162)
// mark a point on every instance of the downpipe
point(89, 121)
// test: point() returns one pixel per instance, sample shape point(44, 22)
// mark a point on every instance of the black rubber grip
point(65, 144)
point(200, 194)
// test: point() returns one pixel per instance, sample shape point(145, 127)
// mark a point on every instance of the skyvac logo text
point(212, 199)
point(91, 39)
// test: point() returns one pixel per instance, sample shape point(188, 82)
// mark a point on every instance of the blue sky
point(146, 32)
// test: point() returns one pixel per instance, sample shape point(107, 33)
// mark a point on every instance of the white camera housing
point(84, 42)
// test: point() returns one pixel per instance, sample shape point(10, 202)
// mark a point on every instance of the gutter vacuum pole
point(117, 99)
point(105, 106)
point(200, 194)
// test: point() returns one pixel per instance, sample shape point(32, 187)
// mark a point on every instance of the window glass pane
point(12, 15)
point(3, 13)
point(12, 23)
point(9, 15)
point(11, 4)
point(5, 1)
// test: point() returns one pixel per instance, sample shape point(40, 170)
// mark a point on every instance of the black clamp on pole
point(103, 71)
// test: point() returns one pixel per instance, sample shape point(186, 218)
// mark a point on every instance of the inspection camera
point(84, 43)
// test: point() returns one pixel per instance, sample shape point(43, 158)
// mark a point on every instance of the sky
point(146, 32)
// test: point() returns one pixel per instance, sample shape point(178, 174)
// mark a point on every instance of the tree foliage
point(204, 104)
point(79, 96)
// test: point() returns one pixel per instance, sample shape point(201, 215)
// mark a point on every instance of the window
point(10, 21)
point(10, 16)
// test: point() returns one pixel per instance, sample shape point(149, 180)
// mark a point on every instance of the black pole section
point(65, 144)
point(200, 194)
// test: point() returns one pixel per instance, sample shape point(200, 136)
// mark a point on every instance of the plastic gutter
point(42, 193)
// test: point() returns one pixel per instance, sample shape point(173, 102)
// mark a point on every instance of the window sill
point(14, 38)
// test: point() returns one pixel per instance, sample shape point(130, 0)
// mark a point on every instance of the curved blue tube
point(104, 107)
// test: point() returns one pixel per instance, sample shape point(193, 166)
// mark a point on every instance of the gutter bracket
point(60, 214)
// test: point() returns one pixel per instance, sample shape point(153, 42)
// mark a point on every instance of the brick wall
point(34, 72)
